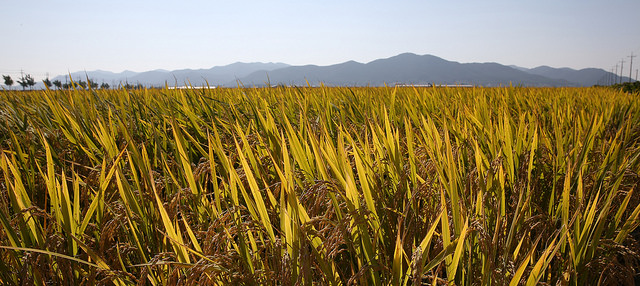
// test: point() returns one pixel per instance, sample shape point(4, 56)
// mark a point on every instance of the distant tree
point(628, 87)
point(57, 84)
point(82, 84)
point(22, 82)
point(7, 81)
point(92, 84)
point(47, 83)
point(104, 85)
point(31, 82)
point(26, 81)
point(66, 85)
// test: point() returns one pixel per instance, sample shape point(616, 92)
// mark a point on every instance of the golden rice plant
point(328, 185)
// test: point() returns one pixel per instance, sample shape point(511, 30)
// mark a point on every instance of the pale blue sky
point(56, 37)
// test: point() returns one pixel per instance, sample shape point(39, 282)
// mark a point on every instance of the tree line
point(628, 87)
point(27, 81)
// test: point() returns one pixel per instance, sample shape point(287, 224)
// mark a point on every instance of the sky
point(45, 37)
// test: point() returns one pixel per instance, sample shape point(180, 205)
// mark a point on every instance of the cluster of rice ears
point(336, 186)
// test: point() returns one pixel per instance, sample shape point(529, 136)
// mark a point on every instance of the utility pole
point(615, 79)
point(21, 78)
point(631, 65)
point(636, 74)
point(610, 79)
point(621, 67)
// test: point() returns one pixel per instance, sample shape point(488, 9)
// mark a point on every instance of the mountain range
point(406, 69)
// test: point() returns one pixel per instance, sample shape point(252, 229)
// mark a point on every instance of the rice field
point(323, 186)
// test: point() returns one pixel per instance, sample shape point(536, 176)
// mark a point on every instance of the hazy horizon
point(43, 37)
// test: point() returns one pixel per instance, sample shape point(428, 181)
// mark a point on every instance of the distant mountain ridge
point(583, 77)
point(404, 68)
point(214, 76)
